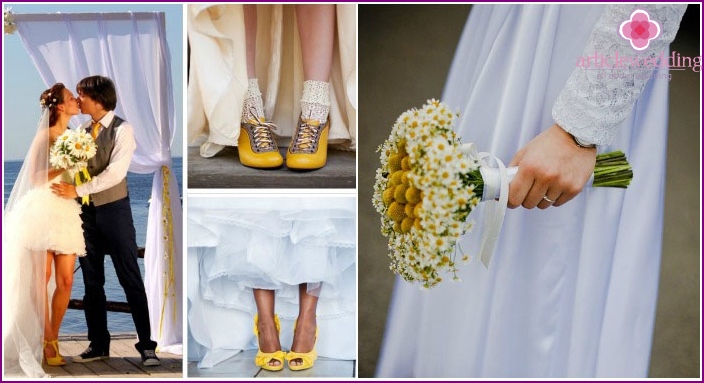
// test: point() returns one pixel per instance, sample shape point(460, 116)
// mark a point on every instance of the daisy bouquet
point(428, 184)
point(71, 151)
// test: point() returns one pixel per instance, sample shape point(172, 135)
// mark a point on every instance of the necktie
point(95, 130)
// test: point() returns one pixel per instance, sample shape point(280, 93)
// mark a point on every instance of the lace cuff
point(594, 103)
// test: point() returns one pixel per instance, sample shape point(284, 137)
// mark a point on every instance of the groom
point(107, 222)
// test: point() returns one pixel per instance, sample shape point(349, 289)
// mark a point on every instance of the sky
point(22, 84)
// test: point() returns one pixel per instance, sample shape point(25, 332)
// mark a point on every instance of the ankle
point(253, 105)
point(315, 101)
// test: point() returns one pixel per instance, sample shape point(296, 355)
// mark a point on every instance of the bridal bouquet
point(71, 151)
point(427, 185)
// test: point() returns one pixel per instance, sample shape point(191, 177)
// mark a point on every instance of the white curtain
point(130, 48)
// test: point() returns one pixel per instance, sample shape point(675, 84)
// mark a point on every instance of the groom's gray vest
point(105, 144)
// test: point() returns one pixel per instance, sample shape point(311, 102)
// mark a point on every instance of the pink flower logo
point(640, 29)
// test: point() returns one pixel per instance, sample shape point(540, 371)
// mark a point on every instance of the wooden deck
point(242, 366)
point(224, 170)
point(124, 361)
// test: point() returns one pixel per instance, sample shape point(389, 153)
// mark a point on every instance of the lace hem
point(594, 103)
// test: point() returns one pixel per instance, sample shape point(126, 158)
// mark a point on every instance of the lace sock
point(315, 102)
point(253, 106)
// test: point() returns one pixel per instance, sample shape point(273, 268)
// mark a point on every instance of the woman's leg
point(64, 282)
point(253, 107)
point(256, 143)
point(250, 35)
point(306, 325)
point(48, 328)
point(316, 26)
point(268, 334)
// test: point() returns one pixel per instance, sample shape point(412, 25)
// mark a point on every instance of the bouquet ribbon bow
point(496, 182)
point(80, 177)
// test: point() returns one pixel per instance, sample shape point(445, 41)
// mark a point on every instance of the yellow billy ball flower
point(396, 177)
point(394, 163)
point(416, 223)
point(416, 210)
point(388, 195)
point(404, 179)
point(412, 195)
point(397, 227)
point(400, 194)
point(409, 210)
point(396, 212)
point(406, 163)
point(406, 225)
point(402, 148)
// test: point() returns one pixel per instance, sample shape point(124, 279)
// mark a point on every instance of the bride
point(42, 232)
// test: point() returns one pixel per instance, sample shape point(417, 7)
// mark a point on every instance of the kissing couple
point(47, 228)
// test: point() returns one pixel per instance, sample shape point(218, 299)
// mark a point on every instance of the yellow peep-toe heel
point(263, 358)
point(307, 358)
point(56, 360)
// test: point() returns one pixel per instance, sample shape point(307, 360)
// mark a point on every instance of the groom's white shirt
point(120, 158)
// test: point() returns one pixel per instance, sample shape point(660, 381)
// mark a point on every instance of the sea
point(140, 189)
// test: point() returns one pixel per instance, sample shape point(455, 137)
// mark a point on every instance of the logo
point(640, 29)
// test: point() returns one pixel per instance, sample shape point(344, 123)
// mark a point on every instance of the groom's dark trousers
point(109, 229)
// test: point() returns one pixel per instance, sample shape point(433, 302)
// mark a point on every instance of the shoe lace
point(306, 136)
point(149, 353)
point(261, 132)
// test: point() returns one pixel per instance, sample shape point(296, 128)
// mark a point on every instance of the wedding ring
point(548, 200)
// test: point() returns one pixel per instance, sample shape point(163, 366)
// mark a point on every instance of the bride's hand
point(64, 190)
point(552, 166)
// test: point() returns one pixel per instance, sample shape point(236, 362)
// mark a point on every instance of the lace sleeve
point(594, 103)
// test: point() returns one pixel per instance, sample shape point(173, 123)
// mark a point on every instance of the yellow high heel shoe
point(307, 358)
point(257, 147)
point(309, 145)
point(56, 360)
point(263, 358)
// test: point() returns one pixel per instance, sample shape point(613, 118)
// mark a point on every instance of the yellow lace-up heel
point(263, 358)
point(256, 145)
point(56, 360)
point(309, 145)
point(307, 358)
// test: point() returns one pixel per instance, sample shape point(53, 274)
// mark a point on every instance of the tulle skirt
point(41, 220)
point(237, 245)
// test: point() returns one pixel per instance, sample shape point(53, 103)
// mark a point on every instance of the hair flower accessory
point(9, 21)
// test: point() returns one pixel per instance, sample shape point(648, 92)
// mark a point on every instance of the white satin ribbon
point(495, 185)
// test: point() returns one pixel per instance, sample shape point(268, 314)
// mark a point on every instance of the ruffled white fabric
point(42, 211)
point(571, 291)
point(235, 245)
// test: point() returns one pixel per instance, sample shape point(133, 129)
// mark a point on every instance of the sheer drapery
point(130, 48)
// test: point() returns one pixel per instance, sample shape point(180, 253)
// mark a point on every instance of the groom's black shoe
point(149, 358)
point(91, 354)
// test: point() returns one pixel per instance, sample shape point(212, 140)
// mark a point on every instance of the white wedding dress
point(571, 291)
point(59, 219)
point(236, 244)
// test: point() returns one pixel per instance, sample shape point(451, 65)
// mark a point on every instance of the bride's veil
point(23, 269)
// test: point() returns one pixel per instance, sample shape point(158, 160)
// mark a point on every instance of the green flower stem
point(611, 170)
